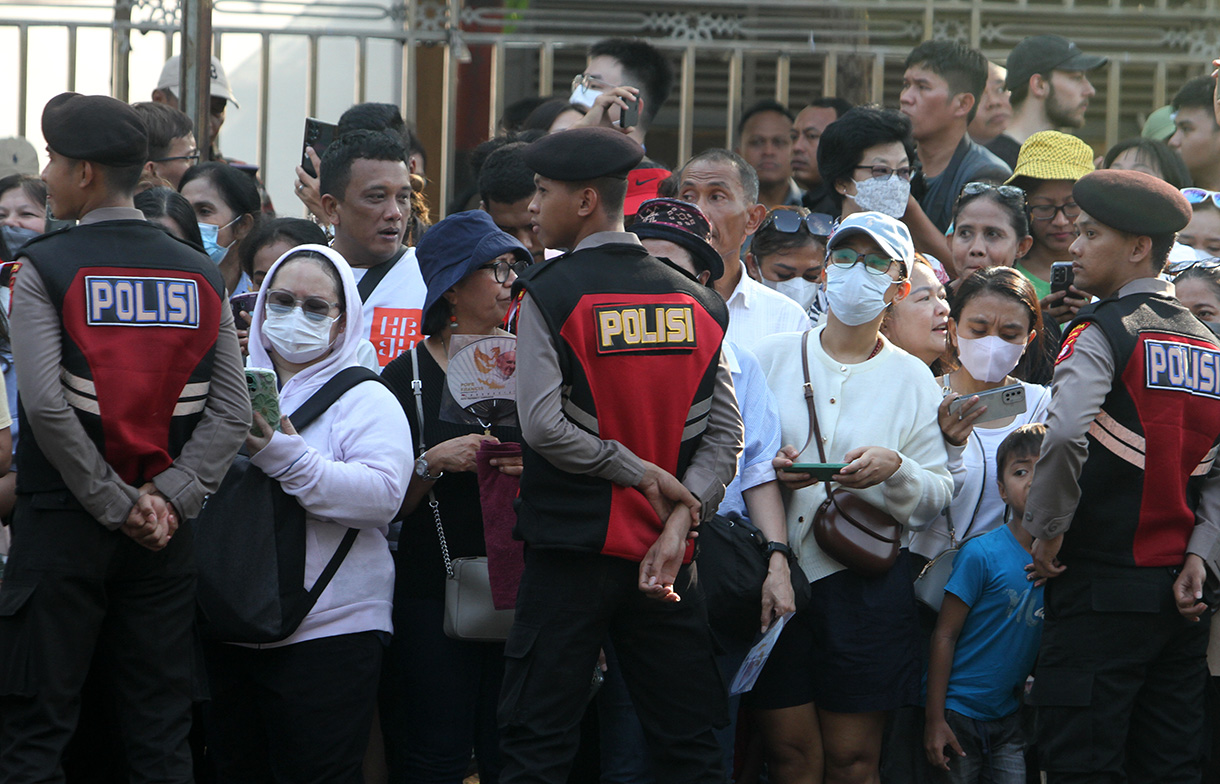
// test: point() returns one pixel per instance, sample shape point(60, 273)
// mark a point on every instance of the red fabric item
point(505, 555)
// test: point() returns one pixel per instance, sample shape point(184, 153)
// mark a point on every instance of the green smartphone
point(819, 471)
point(264, 397)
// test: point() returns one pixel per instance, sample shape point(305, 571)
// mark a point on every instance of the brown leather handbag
point(847, 528)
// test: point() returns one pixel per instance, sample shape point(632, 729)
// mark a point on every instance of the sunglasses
point(1007, 191)
point(873, 262)
point(1175, 268)
point(1200, 195)
point(788, 220)
point(501, 268)
point(315, 308)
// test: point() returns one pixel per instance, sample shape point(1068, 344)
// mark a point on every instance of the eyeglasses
point(1200, 195)
point(589, 82)
point(500, 268)
point(1176, 268)
point(1045, 212)
point(788, 220)
point(874, 263)
point(885, 171)
point(314, 308)
point(1007, 191)
point(193, 157)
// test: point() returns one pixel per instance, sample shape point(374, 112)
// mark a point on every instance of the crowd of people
point(954, 376)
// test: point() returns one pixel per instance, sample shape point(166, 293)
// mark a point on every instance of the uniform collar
point(111, 213)
point(1146, 286)
point(607, 238)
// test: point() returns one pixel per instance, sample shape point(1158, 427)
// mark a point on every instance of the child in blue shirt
point(986, 640)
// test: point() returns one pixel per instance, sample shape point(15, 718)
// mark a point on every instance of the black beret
point(1132, 201)
point(580, 154)
point(95, 128)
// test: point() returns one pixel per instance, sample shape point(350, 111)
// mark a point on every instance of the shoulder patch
point(1069, 342)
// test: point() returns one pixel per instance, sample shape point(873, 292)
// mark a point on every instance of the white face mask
point(584, 96)
point(296, 338)
point(887, 195)
point(856, 296)
point(988, 359)
point(804, 292)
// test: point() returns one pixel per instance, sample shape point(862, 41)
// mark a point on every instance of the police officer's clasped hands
point(152, 520)
point(679, 508)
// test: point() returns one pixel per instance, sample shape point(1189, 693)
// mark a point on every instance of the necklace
point(876, 350)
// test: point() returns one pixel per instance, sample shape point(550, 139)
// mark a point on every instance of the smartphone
point(1001, 402)
point(318, 135)
point(630, 117)
point(1062, 276)
point(242, 303)
point(820, 471)
point(264, 396)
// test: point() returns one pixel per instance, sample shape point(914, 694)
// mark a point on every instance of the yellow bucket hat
point(1051, 155)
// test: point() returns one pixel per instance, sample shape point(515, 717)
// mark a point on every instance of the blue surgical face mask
point(17, 236)
point(210, 233)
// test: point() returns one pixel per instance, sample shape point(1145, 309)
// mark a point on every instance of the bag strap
point(374, 275)
point(417, 389)
point(815, 432)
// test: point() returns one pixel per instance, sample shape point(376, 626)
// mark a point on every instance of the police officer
point(133, 404)
point(1125, 503)
point(621, 389)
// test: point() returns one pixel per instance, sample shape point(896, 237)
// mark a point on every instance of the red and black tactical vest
point(140, 314)
point(639, 347)
point(1155, 437)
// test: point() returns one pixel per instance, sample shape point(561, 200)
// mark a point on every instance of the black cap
point(580, 154)
point(1043, 54)
point(683, 224)
point(95, 128)
point(1132, 201)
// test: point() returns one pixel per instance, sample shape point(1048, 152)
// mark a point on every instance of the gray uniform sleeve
point(1082, 381)
point(1205, 539)
point(539, 406)
point(714, 463)
point(206, 456)
point(38, 352)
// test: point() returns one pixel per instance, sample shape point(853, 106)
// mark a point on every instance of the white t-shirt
point(975, 473)
point(393, 313)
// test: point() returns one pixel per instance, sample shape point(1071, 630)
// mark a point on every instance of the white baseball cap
point(17, 156)
point(890, 233)
point(220, 82)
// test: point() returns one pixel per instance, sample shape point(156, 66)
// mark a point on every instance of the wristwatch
point(778, 547)
point(421, 470)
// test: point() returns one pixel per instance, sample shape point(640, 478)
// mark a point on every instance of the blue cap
point(457, 246)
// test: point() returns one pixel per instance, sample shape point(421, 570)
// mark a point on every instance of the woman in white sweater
point(841, 665)
point(300, 710)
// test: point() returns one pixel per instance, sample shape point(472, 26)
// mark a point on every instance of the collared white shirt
point(756, 311)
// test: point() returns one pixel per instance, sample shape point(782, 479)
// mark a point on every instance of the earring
point(453, 322)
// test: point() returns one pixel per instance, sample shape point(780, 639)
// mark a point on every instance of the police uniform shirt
point(1082, 380)
point(539, 399)
point(62, 438)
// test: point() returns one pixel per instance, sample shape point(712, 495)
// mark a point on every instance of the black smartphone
point(820, 471)
point(242, 303)
point(1062, 276)
point(630, 116)
point(318, 135)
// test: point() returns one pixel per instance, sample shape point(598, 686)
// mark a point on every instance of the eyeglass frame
point(889, 171)
point(805, 218)
point(591, 82)
point(193, 157)
point(500, 264)
point(1058, 208)
point(860, 256)
point(299, 302)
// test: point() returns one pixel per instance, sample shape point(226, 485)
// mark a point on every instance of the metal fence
point(726, 53)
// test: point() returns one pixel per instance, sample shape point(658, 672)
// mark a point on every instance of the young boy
point(986, 640)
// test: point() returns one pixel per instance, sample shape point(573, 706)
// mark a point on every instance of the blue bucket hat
point(457, 246)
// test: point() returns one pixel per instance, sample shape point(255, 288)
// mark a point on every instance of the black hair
point(745, 172)
point(765, 105)
point(1013, 205)
point(35, 189)
point(844, 141)
point(1168, 161)
point(1197, 93)
point(298, 231)
point(1161, 245)
point(841, 105)
point(545, 114)
point(1207, 275)
point(437, 317)
point(1004, 282)
point(323, 262)
point(963, 67)
point(644, 66)
point(163, 202)
point(612, 191)
point(351, 147)
point(121, 179)
point(1024, 441)
point(504, 177)
point(164, 124)
point(373, 116)
point(516, 112)
point(237, 188)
